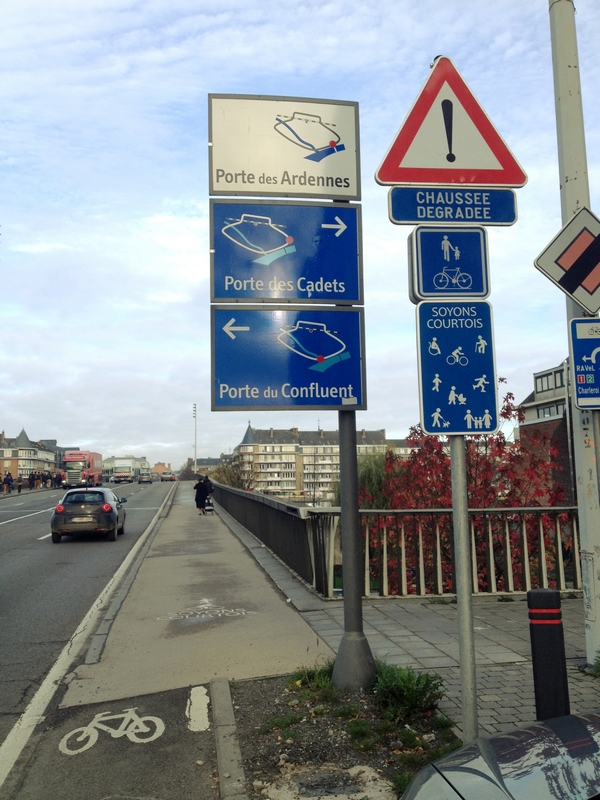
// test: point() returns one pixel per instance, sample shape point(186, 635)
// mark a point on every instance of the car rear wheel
point(112, 534)
point(56, 537)
point(121, 530)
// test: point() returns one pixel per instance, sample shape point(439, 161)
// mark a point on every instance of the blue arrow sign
point(448, 262)
point(278, 250)
point(585, 360)
point(415, 205)
point(457, 374)
point(285, 358)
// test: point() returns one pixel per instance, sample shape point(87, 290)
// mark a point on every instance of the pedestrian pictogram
point(447, 138)
point(572, 260)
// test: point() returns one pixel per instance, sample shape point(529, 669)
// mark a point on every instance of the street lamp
point(195, 437)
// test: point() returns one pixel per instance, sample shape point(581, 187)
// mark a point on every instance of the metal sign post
point(279, 357)
point(574, 195)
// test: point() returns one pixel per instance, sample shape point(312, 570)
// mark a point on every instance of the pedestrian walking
point(6, 484)
point(203, 488)
point(31, 480)
point(19, 484)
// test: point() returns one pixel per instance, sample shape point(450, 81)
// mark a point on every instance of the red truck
point(82, 468)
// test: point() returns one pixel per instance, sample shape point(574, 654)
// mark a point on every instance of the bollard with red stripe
point(548, 654)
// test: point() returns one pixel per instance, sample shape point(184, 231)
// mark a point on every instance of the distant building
point(21, 456)
point(160, 467)
point(301, 465)
point(547, 411)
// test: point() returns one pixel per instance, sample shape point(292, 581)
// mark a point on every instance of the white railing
point(410, 552)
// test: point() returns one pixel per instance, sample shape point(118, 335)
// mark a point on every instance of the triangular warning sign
point(447, 138)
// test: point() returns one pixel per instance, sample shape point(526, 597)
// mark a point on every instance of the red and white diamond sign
point(572, 260)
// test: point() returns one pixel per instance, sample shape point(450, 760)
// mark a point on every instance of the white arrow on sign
point(592, 358)
point(229, 328)
point(338, 225)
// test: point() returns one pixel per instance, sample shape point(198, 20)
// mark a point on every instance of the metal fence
point(410, 552)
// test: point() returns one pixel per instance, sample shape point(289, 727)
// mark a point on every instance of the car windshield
point(84, 497)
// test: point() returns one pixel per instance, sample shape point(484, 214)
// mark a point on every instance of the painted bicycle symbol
point(452, 278)
point(137, 729)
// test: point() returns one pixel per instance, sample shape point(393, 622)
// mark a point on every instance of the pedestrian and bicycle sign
point(584, 344)
point(295, 147)
point(457, 374)
point(443, 205)
point(447, 138)
point(572, 260)
point(448, 262)
point(285, 358)
point(285, 251)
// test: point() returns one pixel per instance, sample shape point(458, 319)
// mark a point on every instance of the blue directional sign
point(285, 251)
point(457, 374)
point(279, 357)
point(415, 205)
point(448, 262)
point(585, 361)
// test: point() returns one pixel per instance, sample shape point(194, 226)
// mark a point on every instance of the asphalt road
point(46, 589)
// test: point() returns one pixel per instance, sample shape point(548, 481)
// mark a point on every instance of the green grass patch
point(283, 722)
point(358, 728)
point(403, 694)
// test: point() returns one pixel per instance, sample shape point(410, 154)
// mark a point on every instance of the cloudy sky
point(104, 253)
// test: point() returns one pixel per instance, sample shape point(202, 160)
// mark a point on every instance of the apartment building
point(300, 465)
point(21, 456)
point(547, 411)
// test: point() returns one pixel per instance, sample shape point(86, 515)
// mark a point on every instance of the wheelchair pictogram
point(137, 729)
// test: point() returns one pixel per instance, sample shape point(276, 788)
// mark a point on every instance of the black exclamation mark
point(447, 110)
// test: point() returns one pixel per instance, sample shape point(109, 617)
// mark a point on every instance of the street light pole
point(195, 437)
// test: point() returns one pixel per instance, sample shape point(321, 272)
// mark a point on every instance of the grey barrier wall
point(284, 528)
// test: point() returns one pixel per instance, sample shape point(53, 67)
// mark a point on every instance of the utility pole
point(195, 438)
point(575, 195)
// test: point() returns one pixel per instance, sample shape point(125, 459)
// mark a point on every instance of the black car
point(89, 511)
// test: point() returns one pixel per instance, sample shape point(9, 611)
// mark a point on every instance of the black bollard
point(548, 654)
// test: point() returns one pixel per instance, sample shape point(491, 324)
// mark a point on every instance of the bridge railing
point(410, 551)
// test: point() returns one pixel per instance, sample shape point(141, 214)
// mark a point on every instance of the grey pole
point(354, 666)
point(574, 195)
point(464, 588)
point(195, 439)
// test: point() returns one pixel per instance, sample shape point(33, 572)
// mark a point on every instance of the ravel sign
point(585, 359)
point(572, 260)
point(270, 250)
point(447, 138)
point(285, 358)
point(283, 146)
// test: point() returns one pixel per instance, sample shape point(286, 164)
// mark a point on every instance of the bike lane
point(144, 747)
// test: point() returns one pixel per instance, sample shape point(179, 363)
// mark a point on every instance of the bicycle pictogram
point(137, 729)
point(457, 357)
point(453, 278)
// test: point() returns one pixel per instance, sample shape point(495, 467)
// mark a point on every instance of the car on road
point(92, 510)
point(167, 476)
point(144, 477)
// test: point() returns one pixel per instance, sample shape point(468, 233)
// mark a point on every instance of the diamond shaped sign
point(572, 260)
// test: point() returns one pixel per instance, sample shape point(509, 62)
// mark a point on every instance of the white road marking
point(47, 536)
point(20, 733)
point(197, 709)
point(24, 516)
